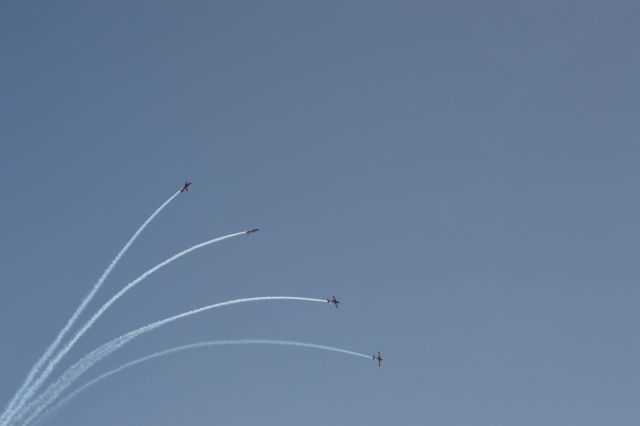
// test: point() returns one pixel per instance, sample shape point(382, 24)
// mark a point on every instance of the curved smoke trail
point(49, 369)
point(198, 345)
point(18, 398)
point(77, 369)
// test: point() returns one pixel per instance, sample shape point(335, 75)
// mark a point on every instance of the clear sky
point(462, 174)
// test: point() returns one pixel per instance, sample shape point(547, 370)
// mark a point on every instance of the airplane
point(251, 231)
point(378, 358)
point(185, 187)
point(334, 301)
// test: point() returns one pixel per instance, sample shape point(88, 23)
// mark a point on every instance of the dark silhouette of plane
point(251, 231)
point(334, 301)
point(185, 187)
point(378, 358)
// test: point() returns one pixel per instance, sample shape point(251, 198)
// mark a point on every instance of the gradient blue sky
point(462, 174)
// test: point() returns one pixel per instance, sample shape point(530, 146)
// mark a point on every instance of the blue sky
point(462, 175)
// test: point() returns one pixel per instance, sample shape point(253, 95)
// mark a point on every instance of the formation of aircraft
point(334, 301)
point(378, 358)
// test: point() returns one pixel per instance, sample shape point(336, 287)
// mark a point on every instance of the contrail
point(198, 345)
point(49, 369)
point(77, 369)
point(52, 347)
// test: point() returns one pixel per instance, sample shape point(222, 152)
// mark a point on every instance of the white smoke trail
point(58, 357)
point(198, 345)
point(77, 369)
point(52, 347)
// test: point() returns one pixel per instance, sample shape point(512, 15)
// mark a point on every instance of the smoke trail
point(38, 365)
point(49, 369)
point(73, 372)
point(198, 345)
